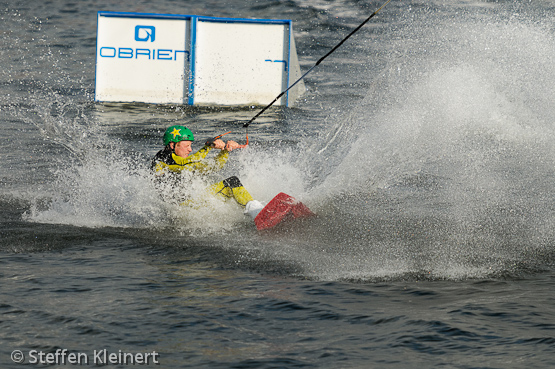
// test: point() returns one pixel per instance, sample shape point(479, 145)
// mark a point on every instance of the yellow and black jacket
point(167, 165)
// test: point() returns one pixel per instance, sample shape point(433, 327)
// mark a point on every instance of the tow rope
point(246, 125)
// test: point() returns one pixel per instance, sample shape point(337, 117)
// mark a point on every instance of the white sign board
point(181, 59)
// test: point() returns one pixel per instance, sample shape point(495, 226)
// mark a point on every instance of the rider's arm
point(196, 162)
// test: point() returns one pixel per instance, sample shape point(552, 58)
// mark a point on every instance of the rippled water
point(425, 145)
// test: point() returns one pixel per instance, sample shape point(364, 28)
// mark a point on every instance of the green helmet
point(178, 133)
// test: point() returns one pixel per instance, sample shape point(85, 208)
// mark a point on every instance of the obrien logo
point(145, 33)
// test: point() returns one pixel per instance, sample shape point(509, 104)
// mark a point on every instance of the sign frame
point(194, 60)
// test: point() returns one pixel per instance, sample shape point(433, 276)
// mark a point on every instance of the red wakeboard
point(282, 206)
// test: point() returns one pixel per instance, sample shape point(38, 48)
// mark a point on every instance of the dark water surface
point(426, 146)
